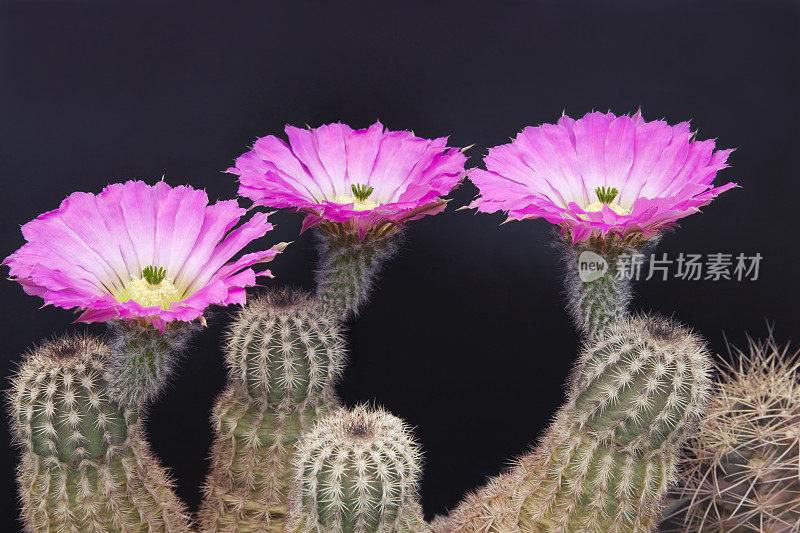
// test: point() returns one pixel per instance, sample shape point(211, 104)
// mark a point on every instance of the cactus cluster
point(85, 464)
point(286, 456)
point(607, 459)
point(356, 471)
point(283, 353)
point(741, 472)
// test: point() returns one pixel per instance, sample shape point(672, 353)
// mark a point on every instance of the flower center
point(598, 206)
point(358, 199)
point(152, 288)
point(605, 196)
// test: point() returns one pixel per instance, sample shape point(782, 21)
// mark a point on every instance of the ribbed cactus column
point(348, 266)
point(605, 463)
point(284, 351)
point(608, 458)
point(85, 464)
point(356, 472)
point(598, 298)
point(143, 359)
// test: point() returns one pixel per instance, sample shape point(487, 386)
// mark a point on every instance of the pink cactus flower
point(600, 175)
point(136, 251)
point(357, 180)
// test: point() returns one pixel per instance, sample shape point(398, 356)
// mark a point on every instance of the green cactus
point(85, 464)
point(348, 266)
point(284, 352)
point(143, 359)
point(741, 469)
point(357, 471)
point(606, 461)
point(596, 304)
point(608, 458)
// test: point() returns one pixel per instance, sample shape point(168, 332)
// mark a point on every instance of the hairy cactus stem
point(609, 457)
point(143, 360)
point(349, 264)
point(598, 292)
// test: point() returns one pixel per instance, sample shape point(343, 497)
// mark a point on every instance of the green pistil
point(361, 192)
point(606, 195)
point(154, 275)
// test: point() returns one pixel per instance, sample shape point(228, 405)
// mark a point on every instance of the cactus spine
point(357, 471)
point(284, 351)
point(143, 359)
point(597, 303)
point(85, 464)
point(606, 461)
point(741, 472)
point(348, 265)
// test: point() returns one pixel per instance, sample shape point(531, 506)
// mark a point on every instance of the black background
point(466, 337)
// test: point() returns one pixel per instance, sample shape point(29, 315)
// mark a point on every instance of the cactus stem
point(356, 471)
point(284, 352)
point(606, 461)
point(143, 359)
point(85, 465)
point(348, 267)
point(595, 302)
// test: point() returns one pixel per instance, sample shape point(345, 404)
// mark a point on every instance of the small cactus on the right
point(741, 472)
point(357, 471)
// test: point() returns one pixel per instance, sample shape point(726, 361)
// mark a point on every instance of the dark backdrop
point(466, 337)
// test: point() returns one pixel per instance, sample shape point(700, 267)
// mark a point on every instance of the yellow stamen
point(598, 206)
point(359, 205)
point(149, 295)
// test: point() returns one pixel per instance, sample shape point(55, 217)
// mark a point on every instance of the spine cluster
point(284, 352)
point(356, 471)
point(85, 464)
